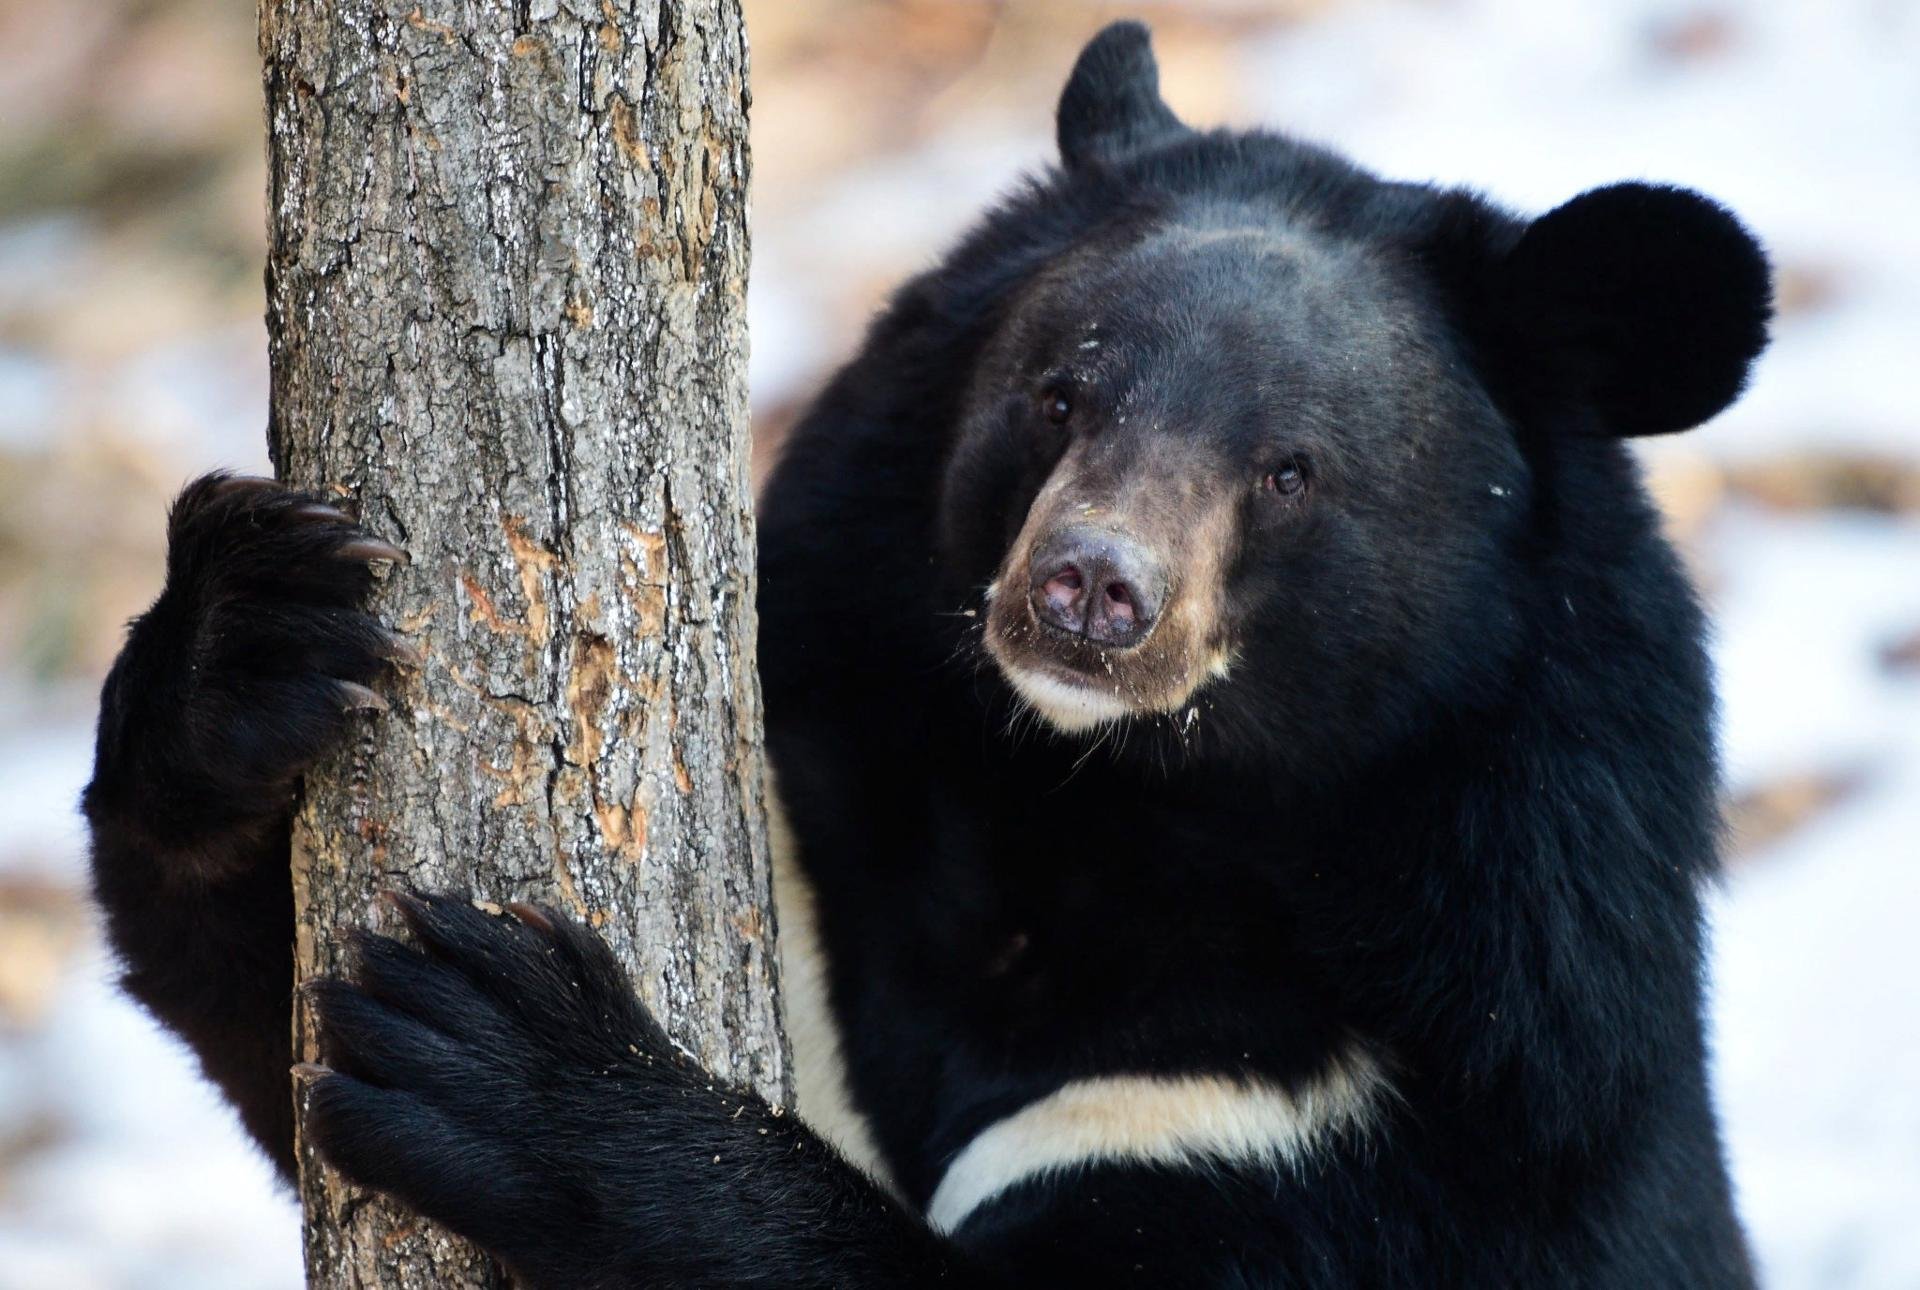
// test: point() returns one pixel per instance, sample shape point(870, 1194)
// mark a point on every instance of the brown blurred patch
point(82, 549)
point(1809, 481)
point(143, 115)
point(839, 81)
point(1688, 487)
point(1767, 813)
point(1691, 487)
point(41, 927)
point(1695, 37)
point(1902, 654)
point(1804, 288)
point(23, 1138)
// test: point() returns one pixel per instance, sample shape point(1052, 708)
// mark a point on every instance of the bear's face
point(1275, 439)
point(1222, 447)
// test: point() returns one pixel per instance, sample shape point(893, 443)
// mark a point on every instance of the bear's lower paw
point(501, 1077)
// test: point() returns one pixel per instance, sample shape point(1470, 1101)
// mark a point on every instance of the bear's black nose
point(1095, 583)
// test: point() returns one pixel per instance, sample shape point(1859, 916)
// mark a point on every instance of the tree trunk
point(506, 311)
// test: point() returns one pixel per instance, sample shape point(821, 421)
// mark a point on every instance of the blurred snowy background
point(132, 356)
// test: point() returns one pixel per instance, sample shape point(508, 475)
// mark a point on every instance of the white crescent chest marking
point(1190, 1121)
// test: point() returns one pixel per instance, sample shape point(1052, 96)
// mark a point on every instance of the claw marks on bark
point(506, 314)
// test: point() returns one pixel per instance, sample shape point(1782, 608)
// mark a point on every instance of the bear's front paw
point(246, 669)
point(502, 1079)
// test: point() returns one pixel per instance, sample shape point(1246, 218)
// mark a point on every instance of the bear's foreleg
point(247, 668)
point(503, 1079)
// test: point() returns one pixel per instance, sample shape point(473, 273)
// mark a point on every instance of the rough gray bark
point(506, 310)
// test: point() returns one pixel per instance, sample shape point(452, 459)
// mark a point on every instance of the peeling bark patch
point(420, 22)
point(590, 684)
point(534, 562)
point(610, 38)
point(615, 828)
point(524, 777)
point(626, 133)
point(623, 828)
point(481, 608)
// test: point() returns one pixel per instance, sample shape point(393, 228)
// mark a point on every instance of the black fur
point(1111, 106)
point(1650, 303)
point(228, 688)
point(1453, 804)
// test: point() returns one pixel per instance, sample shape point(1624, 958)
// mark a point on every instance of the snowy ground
point(118, 1168)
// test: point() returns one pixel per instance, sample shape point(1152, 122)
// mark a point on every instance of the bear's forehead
point(1235, 311)
point(1227, 288)
point(1277, 273)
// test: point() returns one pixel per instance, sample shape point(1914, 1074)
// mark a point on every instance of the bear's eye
point(1288, 480)
point(1056, 405)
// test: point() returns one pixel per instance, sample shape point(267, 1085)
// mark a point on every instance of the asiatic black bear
point(1248, 742)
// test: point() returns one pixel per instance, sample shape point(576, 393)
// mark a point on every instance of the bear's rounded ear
point(1648, 303)
point(1111, 106)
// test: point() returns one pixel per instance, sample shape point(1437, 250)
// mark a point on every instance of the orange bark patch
point(524, 777)
point(533, 561)
point(420, 22)
point(627, 134)
point(646, 579)
point(590, 684)
point(482, 610)
point(623, 828)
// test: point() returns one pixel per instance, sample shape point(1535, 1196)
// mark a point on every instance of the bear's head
point(1269, 440)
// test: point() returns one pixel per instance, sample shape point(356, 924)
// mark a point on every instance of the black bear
point(1245, 737)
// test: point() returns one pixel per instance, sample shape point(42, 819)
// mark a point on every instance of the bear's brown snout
point(1097, 584)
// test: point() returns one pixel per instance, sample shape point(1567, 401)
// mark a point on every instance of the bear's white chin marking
point(1071, 708)
point(1190, 1121)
